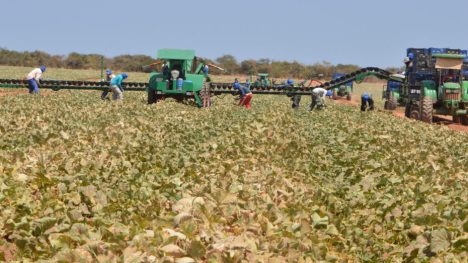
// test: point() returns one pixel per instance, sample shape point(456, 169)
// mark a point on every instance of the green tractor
point(440, 88)
point(181, 77)
point(391, 94)
point(344, 90)
point(262, 81)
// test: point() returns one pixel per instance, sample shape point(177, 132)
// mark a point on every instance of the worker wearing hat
point(366, 100)
point(33, 79)
point(245, 95)
point(116, 86)
point(109, 77)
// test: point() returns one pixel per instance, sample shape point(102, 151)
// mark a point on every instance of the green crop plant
point(83, 179)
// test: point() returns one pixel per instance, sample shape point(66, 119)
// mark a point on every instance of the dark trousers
point(364, 103)
point(296, 100)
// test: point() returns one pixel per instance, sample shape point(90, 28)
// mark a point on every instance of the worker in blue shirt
point(366, 100)
point(116, 86)
point(245, 95)
point(109, 77)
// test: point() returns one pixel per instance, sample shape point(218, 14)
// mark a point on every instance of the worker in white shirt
point(318, 98)
point(33, 79)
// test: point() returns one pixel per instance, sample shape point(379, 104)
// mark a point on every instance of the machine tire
point(457, 118)
point(464, 119)
point(348, 97)
point(408, 110)
point(427, 109)
point(151, 96)
point(414, 112)
point(385, 106)
point(392, 102)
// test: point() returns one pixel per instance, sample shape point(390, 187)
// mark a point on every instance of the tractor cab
point(449, 78)
point(262, 80)
point(177, 77)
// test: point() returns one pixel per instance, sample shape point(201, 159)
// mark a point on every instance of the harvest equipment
point(181, 77)
point(391, 93)
point(193, 84)
point(344, 90)
point(261, 81)
point(435, 83)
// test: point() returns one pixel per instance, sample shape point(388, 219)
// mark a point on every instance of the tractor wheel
point(426, 109)
point(392, 103)
point(457, 118)
point(151, 96)
point(414, 112)
point(385, 106)
point(407, 110)
point(464, 119)
point(348, 97)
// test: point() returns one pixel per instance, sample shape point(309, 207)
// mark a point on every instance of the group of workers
point(318, 97)
point(245, 94)
point(33, 79)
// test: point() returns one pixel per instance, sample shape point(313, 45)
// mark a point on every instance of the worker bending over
point(109, 77)
point(366, 100)
point(318, 99)
point(245, 95)
point(116, 86)
point(33, 79)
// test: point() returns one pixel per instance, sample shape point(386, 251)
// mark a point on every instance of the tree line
point(135, 63)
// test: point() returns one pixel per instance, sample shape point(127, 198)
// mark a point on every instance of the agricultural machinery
point(262, 81)
point(181, 77)
point(344, 90)
point(391, 94)
point(435, 83)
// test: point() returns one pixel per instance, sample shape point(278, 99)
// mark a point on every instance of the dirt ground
point(8, 251)
point(400, 112)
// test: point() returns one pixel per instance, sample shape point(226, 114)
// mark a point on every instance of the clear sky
point(362, 32)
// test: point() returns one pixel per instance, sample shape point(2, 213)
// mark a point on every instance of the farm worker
point(247, 83)
point(116, 86)
point(245, 95)
point(408, 61)
point(450, 77)
point(206, 70)
point(33, 79)
point(296, 99)
point(109, 77)
point(318, 98)
point(165, 70)
point(329, 93)
point(366, 99)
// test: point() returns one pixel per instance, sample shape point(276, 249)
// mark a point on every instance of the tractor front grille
point(452, 94)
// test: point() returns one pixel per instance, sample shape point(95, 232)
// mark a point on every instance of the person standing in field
point(33, 79)
point(245, 95)
point(318, 98)
point(366, 100)
point(116, 86)
point(109, 77)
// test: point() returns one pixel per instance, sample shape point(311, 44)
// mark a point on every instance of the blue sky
point(362, 32)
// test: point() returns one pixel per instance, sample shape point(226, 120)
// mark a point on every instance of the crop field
point(83, 179)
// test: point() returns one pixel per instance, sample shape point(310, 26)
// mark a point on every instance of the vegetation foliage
point(82, 180)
